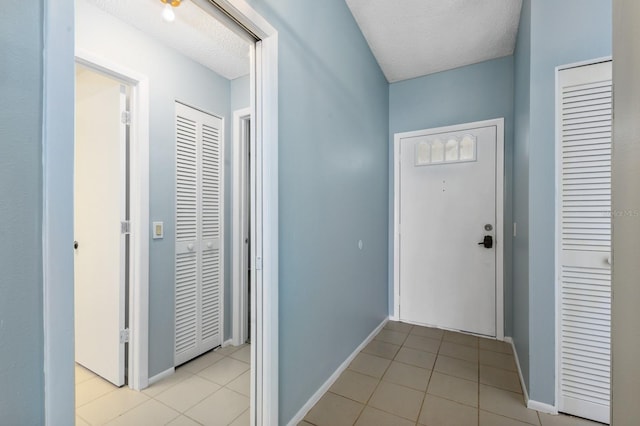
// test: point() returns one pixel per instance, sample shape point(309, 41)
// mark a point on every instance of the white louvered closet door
point(198, 263)
point(584, 114)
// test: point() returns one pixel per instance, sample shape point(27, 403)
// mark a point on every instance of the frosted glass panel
point(440, 151)
point(468, 148)
point(423, 153)
point(452, 150)
point(437, 151)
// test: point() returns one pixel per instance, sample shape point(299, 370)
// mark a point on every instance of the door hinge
point(125, 227)
point(126, 118)
point(124, 335)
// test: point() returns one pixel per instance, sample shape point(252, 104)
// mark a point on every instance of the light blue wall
point(522, 107)
point(179, 78)
point(21, 332)
point(472, 93)
point(333, 154)
point(562, 32)
point(240, 95)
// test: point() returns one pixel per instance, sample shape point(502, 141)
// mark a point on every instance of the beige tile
point(397, 400)
point(83, 374)
point(80, 422)
point(227, 350)
point(370, 365)
point(242, 384)
point(219, 409)
point(453, 388)
point(564, 420)
point(222, 372)
point(461, 338)
point(421, 343)
point(149, 413)
point(416, 358)
point(495, 346)
point(491, 419)
point(374, 417)
point(183, 421)
point(382, 349)
point(437, 411)
point(187, 393)
point(243, 419)
point(505, 403)
point(200, 363)
point(499, 378)
point(304, 423)
point(499, 360)
point(334, 410)
point(167, 382)
point(391, 336)
point(455, 350)
point(91, 389)
point(111, 405)
point(402, 327)
point(434, 333)
point(407, 375)
point(243, 354)
point(457, 368)
point(356, 386)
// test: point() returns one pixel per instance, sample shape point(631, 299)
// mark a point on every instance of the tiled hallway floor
point(210, 390)
point(411, 375)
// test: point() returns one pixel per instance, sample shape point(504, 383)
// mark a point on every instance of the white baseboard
point(542, 407)
point(228, 343)
point(531, 404)
point(331, 380)
point(160, 376)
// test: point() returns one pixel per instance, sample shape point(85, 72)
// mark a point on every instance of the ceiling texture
point(194, 33)
point(412, 38)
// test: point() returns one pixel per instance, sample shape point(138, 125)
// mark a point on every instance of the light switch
point(158, 230)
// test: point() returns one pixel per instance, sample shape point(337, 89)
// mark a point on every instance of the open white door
point(99, 208)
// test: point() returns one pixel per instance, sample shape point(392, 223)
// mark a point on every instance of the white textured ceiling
point(194, 33)
point(412, 38)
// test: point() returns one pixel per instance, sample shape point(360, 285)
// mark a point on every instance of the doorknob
point(487, 242)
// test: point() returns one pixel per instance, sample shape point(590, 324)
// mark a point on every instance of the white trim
point(239, 232)
point(166, 373)
point(523, 385)
point(227, 343)
point(299, 416)
point(499, 231)
point(582, 64)
point(139, 215)
point(542, 407)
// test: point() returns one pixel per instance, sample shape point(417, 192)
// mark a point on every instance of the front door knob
point(487, 242)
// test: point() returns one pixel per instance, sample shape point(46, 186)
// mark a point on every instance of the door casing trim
point(500, 234)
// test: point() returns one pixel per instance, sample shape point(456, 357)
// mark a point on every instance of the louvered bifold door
point(584, 119)
point(198, 273)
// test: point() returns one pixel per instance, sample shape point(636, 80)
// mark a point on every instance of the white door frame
point(499, 229)
point(139, 212)
point(239, 232)
point(57, 221)
point(558, 222)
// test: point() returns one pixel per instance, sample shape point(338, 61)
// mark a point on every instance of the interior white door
point(584, 153)
point(447, 208)
point(199, 233)
point(99, 208)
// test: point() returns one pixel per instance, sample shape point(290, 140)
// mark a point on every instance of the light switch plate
point(158, 230)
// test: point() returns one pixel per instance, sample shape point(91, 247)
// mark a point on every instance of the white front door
point(99, 207)
point(448, 226)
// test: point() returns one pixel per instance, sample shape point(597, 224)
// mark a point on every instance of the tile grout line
point(433, 368)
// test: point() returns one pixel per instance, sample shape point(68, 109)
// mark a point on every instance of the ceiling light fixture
point(167, 13)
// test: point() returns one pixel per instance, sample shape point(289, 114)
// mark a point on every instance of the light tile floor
point(213, 389)
point(411, 375)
